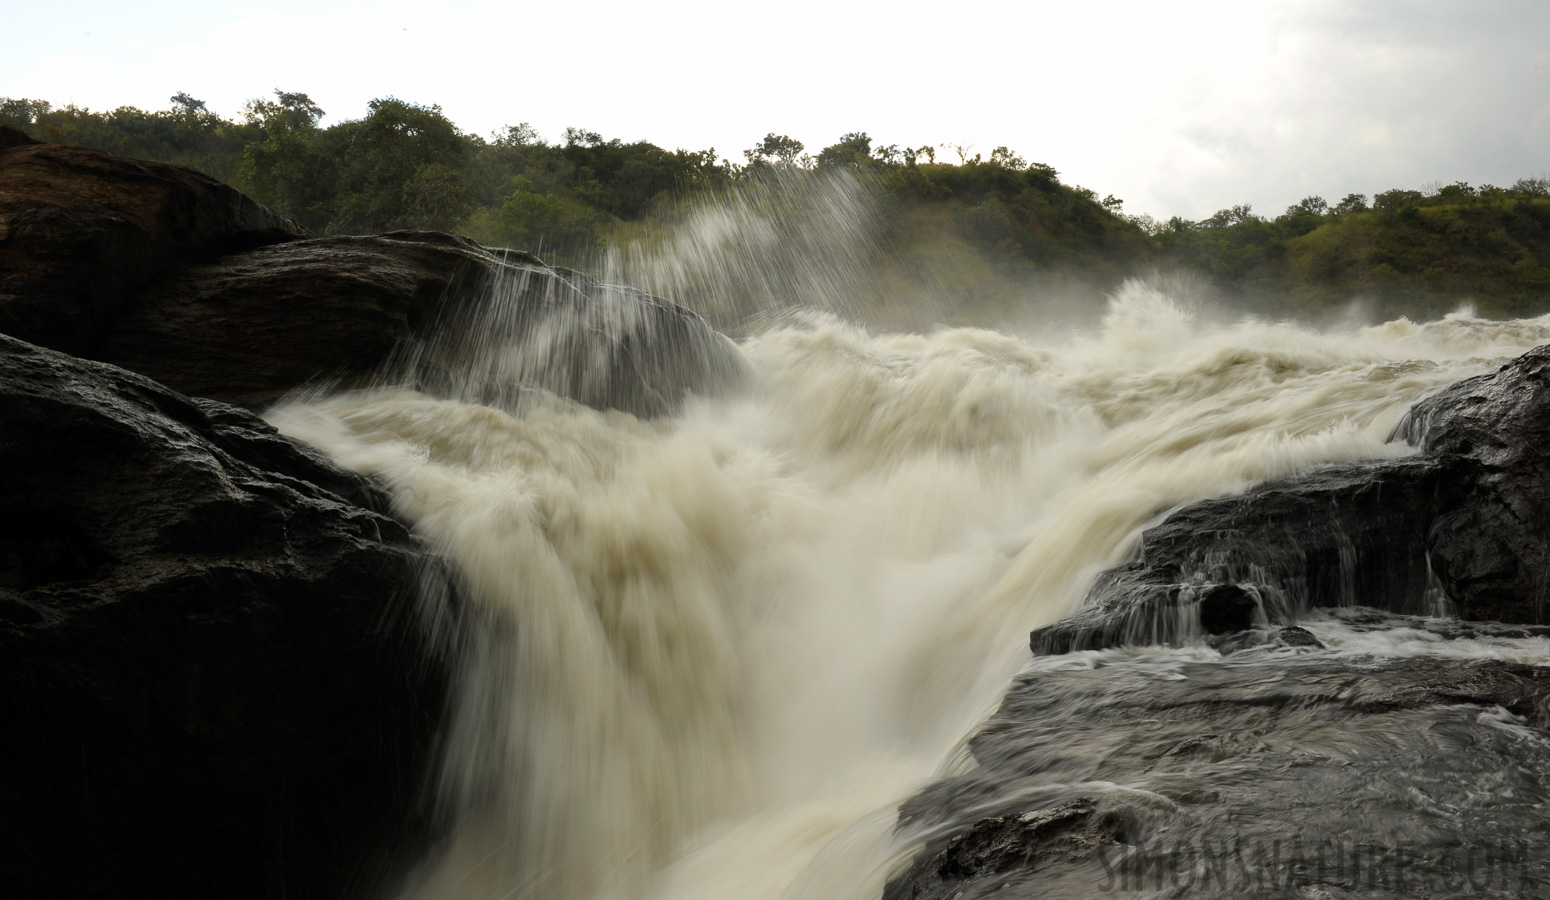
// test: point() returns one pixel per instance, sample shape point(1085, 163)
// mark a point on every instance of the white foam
point(718, 650)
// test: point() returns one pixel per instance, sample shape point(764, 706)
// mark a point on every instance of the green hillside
point(906, 238)
point(1410, 252)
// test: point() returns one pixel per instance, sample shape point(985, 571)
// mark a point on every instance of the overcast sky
point(1178, 108)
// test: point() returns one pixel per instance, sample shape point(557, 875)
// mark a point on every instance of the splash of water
point(786, 242)
point(713, 652)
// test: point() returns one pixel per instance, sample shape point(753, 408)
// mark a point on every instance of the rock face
point(163, 271)
point(1491, 550)
point(1272, 774)
point(1182, 776)
point(426, 310)
point(1339, 536)
point(211, 676)
point(1464, 527)
point(81, 231)
point(1014, 845)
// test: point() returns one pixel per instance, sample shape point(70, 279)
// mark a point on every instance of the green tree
point(21, 112)
point(289, 168)
point(289, 112)
point(1006, 159)
point(853, 149)
point(436, 198)
point(186, 106)
point(538, 222)
point(1353, 203)
point(1395, 200)
point(378, 155)
point(775, 150)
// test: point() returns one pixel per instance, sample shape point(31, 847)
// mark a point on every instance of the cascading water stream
point(710, 654)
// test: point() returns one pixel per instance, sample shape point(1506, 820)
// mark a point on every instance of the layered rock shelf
point(1461, 529)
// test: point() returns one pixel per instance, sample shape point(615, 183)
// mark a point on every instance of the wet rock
point(211, 675)
point(1268, 775)
point(1337, 536)
point(977, 863)
point(248, 327)
point(421, 309)
point(1289, 637)
point(1492, 551)
point(166, 272)
point(1297, 637)
point(81, 231)
point(1463, 528)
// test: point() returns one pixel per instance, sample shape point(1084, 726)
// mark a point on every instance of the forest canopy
point(1007, 223)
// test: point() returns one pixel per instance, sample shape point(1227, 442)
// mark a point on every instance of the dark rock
point(422, 309)
point(166, 272)
point(1492, 552)
point(1289, 637)
point(1297, 637)
point(1463, 528)
point(1250, 776)
point(81, 231)
point(15, 137)
point(211, 675)
point(1337, 536)
point(975, 863)
point(249, 327)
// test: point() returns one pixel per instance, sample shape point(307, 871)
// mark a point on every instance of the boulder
point(212, 676)
point(1462, 528)
point(419, 309)
point(1491, 551)
point(1271, 774)
point(166, 272)
point(82, 230)
point(1337, 536)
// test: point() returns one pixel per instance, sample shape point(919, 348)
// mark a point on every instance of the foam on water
point(712, 653)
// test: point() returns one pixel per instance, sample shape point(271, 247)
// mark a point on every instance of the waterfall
point(707, 655)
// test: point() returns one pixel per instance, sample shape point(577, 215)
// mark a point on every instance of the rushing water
point(716, 651)
point(709, 655)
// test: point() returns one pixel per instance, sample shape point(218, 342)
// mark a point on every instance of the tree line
point(1410, 252)
point(407, 166)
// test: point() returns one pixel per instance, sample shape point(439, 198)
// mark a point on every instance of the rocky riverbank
point(1463, 528)
point(223, 659)
point(1313, 688)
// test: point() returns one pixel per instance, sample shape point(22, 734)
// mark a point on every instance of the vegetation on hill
point(1417, 253)
point(981, 234)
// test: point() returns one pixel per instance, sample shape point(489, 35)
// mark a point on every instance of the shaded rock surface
point(211, 676)
point(1338, 536)
point(164, 271)
point(999, 849)
point(422, 309)
point(1462, 528)
point(1276, 772)
point(81, 231)
point(211, 672)
point(1492, 551)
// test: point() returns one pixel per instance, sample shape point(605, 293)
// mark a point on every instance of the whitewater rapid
point(707, 656)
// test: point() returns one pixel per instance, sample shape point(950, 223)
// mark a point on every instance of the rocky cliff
point(216, 670)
